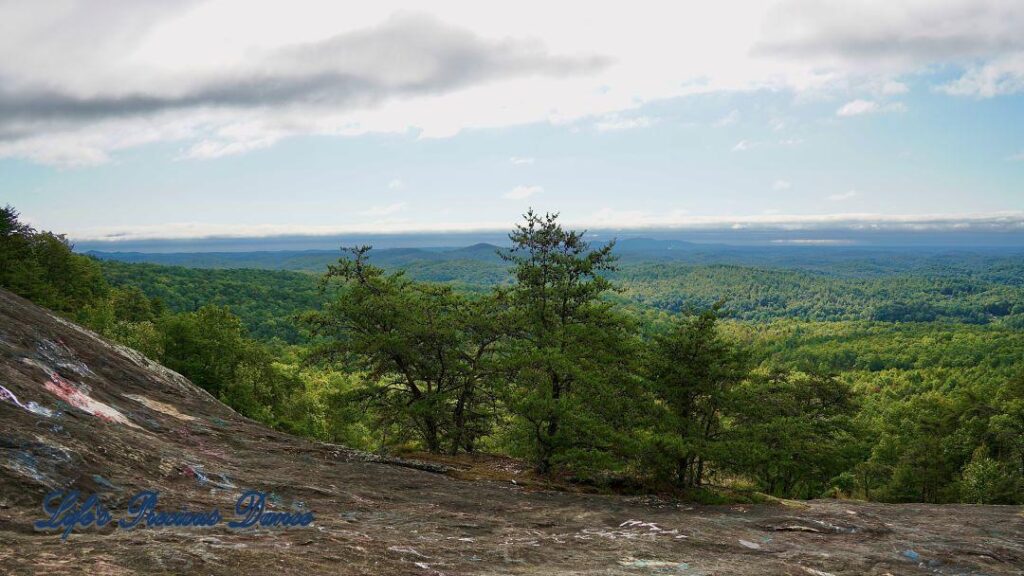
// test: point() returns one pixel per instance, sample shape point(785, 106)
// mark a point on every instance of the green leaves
point(570, 354)
point(792, 432)
point(40, 266)
point(692, 370)
point(426, 350)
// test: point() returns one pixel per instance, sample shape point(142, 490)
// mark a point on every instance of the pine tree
point(570, 354)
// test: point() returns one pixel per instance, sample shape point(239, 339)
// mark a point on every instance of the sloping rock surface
point(77, 412)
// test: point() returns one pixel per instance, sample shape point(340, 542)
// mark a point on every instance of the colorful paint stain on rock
point(159, 407)
point(32, 407)
point(25, 464)
point(79, 398)
point(77, 395)
point(654, 566)
point(44, 463)
point(749, 544)
point(58, 354)
point(104, 484)
point(196, 471)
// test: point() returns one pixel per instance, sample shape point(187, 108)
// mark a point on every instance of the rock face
point(78, 413)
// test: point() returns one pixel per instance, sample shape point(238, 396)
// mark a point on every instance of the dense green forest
point(947, 288)
point(267, 301)
point(894, 378)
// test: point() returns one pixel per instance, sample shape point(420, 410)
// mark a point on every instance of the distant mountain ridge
point(1004, 234)
point(308, 260)
point(833, 259)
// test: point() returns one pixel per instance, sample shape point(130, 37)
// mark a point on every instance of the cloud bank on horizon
point(1008, 222)
point(106, 98)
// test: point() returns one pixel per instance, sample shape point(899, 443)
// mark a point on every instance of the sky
point(140, 119)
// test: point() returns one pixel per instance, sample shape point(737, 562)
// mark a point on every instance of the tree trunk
point(459, 421)
point(552, 428)
point(430, 435)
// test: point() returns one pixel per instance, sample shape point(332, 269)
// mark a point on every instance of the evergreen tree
point(42, 267)
point(426, 351)
point(573, 390)
point(691, 370)
point(793, 433)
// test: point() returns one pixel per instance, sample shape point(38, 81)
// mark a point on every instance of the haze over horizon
point(650, 239)
point(141, 122)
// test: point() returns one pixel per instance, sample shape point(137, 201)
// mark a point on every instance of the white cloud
point(310, 84)
point(186, 72)
point(857, 107)
point(882, 34)
point(521, 160)
point(607, 217)
point(616, 123)
point(893, 88)
point(782, 185)
point(631, 219)
point(62, 152)
point(385, 210)
point(1018, 157)
point(843, 196)
point(396, 184)
point(617, 218)
point(743, 146)
point(522, 192)
point(729, 119)
point(871, 42)
point(860, 107)
point(210, 149)
point(996, 78)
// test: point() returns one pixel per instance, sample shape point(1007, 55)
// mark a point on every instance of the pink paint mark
point(32, 407)
point(80, 399)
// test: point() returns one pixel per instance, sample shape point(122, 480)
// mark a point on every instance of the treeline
point(41, 267)
point(267, 301)
point(942, 402)
point(551, 369)
point(208, 344)
point(760, 294)
point(556, 365)
point(941, 289)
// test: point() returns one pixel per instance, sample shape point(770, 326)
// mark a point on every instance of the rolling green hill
point(814, 285)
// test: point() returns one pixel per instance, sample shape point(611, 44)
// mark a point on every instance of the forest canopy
point(905, 384)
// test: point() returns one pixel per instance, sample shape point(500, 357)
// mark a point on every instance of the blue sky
point(788, 129)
